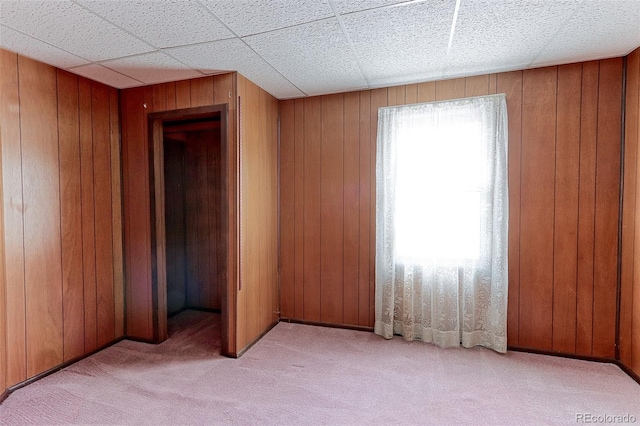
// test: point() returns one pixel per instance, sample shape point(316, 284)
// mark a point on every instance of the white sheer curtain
point(442, 221)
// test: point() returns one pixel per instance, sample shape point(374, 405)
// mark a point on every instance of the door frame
point(156, 122)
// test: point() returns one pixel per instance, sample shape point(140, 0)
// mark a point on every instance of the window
point(440, 177)
point(442, 222)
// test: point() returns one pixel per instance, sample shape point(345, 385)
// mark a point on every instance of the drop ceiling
point(295, 48)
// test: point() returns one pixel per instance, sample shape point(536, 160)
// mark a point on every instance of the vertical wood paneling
point(201, 91)
point(191, 200)
point(175, 231)
point(630, 285)
point(137, 226)
point(312, 200)
point(411, 94)
point(189, 93)
point(351, 184)
point(299, 195)
point(586, 206)
point(257, 301)
point(116, 198)
point(262, 152)
point(202, 214)
point(13, 207)
point(213, 205)
point(183, 94)
point(71, 215)
point(223, 93)
point(103, 215)
point(537, 207)
point(251, 185)
point(396, 95)
point(565, 248)
point(552, 197)
point(450, 89)
point(476, 86)
point(3, 283)
point(3, 287)
point(287, 209)
point(427, 92)
point(159, 93)
point(170, 91)
point(511, 84)
point(629, 203)
point(47, 124)
point(241, 314)
point(607, 209)
point(332, 210)
point(88, 216)
point(365, 218)
point(41, 191)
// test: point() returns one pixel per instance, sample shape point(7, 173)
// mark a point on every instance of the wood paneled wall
point(258, 294)
point(564, 174)
point(257, 301)
point(175, 220)
point(135, 104)
point(196, 257)
point(62, 217)
point(630, 278)
point(205, 252)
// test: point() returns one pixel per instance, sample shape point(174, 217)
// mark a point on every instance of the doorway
point(189, 214)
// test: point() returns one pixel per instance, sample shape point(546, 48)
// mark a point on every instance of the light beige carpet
point(301, 374)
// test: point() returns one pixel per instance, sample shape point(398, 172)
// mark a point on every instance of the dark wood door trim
point(157, 216)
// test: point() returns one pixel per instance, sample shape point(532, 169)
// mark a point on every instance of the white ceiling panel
point(296, 48)
point(71, 28)
point(105, 75)
point(401, 44)
point(151, 68)
point(234, 55)
point(247, 17)
point(492, 35)
point(613, 30)
point(316, 57)
point(349, 6)
point(162, 23)
point(33, 48)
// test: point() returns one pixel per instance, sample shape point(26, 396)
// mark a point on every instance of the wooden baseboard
point(4, 395)
point(52, 370)
point(253, 342)
point(629, 371)
point(619, 363)
point(561, 354)
point(327, 324)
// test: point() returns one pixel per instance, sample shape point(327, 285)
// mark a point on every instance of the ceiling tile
point(491, 36)
point(162, 23)
point(613, 29)
point(349, 6)
point(316, 57)
point(71, 28)
point(36, 49)
point(151, 68)
point(402, 44)
point(234, 55)
point(247, 17)
point(105, 75)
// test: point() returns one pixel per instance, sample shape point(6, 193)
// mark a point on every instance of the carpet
point(300, 374)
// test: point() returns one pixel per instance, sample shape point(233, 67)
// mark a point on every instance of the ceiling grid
point(296, 48)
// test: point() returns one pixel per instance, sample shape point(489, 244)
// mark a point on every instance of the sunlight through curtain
point(442, 222)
